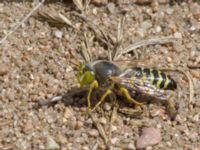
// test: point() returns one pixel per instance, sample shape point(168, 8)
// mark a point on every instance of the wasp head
point(85, 74)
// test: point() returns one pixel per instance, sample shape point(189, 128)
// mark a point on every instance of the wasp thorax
point(103, 69)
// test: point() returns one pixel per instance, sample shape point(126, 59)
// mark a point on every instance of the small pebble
point(195, 73)
point(150, 136)
point(85, 148)
point(58, 34)
point(149, 148)
point(113, 128)
point(93, 133)
point(99, 2)
point(143, 2)
point(79, 124)
point(83, 109)
point(28, 127)
point(103, 120)
point(51, 144)
point(111, 7)
point(192, 28)
point(94, 11)
point(131, 146)
point(169, 59)
point(68, 113)
point(4, 69)
point(170, 11)
point(169, 144)
point(192, 54)
point(178, 47)
point(198, 59)
point(62, 138)
point(114, 140)
point(158, 29)
point(72, 123)
point(196, 118)
point(106, 106)
point(178, 35)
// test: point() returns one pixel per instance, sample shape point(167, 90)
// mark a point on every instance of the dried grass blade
point(22, 21)
point(101, 130)
point(66, 20)
point(151, 41)
point(79, 4)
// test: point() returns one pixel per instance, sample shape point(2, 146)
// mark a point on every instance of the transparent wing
point(144, 88)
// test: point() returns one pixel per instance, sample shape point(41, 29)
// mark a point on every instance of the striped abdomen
point(156, 78)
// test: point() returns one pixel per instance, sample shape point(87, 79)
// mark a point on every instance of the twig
point(56, 18)
point(101, 36)
point(79, 4)
point(10, 147)
point(87, 2)
point(6, 123)
point(151, 41)
point(95, 147)
point(101, 131)
point(66, 20)
point(21, 22)
point(120, 30)
point(112, 119)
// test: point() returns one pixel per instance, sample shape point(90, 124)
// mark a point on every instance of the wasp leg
point(125, 92)
point(93, 86)
point(103, 97)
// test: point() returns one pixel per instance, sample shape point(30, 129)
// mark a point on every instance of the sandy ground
point(35, 66)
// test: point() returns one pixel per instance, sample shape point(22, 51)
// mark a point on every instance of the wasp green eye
point(85, 75)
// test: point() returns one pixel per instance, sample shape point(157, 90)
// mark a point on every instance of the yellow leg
point(103, 97)
point(93, 86)
point(125, 92)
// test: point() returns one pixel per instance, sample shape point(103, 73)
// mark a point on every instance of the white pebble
point(58, 34)
point(178, 35)
point(158, 29)
point(51, 144)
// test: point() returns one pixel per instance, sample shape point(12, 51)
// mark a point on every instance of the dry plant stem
point(66, 20)
point(86, 50)
point(112, 119)
point(56, 18)
point(188, 76)
point(87, 3)
point(101, 131)
point(23, 20)
point(119, 39)
point(10, 147)
point(100, 36)
point(79, 4)
point(151, 41)
point(95, 147)
point(5, 123)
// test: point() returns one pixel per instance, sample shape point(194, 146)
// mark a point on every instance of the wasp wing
point(143, 88)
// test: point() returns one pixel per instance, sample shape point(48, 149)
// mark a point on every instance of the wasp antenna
point(76, 63)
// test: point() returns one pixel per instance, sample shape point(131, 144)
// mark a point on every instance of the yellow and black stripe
point(156, 78)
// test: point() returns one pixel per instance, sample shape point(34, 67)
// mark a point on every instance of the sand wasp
point(128, 82)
